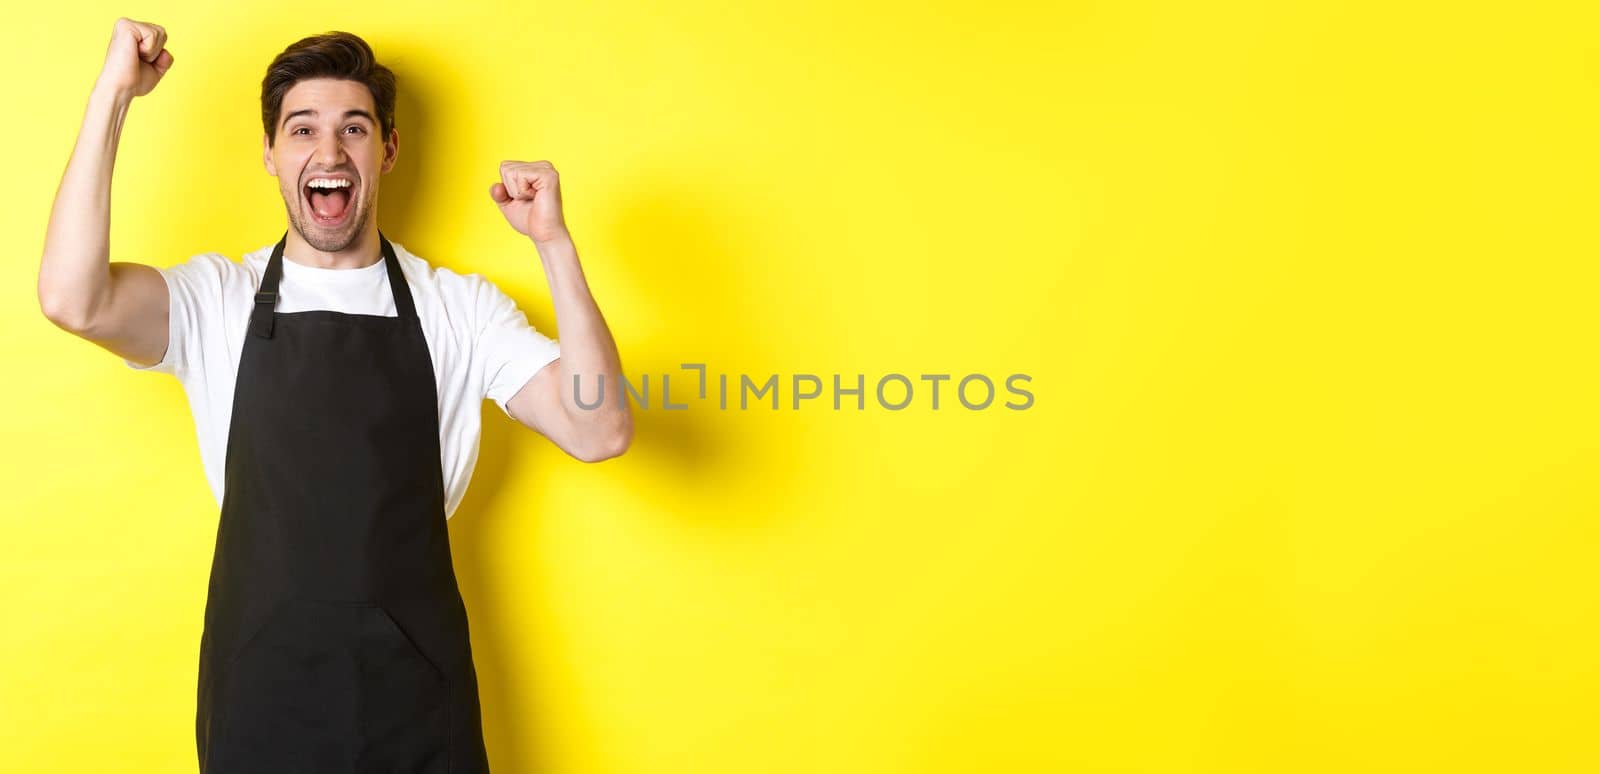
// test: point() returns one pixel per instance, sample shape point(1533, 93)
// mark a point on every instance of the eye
point(298, 129)
point(357, 128)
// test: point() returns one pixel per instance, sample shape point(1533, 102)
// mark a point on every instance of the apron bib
point(335, 638)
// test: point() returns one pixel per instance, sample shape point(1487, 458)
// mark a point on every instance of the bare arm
point(529, 195)
point(547, 402)
point(120, 306)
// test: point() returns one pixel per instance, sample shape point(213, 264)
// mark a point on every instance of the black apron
point(335, 637)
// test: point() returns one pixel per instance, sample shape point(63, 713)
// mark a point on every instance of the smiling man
point(337, 383)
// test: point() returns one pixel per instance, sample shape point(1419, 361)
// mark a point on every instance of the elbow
point(605, 444)
point(63, 312)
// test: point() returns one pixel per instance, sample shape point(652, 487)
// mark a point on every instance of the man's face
point(328, 130)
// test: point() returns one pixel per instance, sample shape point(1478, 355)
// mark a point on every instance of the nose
point(329, 152)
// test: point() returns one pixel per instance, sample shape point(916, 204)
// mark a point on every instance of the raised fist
point(136, 58)
point(529, 195)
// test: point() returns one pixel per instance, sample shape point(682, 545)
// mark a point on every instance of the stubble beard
point(322, 239)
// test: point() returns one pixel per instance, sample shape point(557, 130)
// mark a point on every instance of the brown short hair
point(339, 55)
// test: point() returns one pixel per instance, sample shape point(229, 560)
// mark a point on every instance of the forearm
point(74, 272)
point(588, 352)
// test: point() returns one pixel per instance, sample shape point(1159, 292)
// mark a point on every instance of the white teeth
point(323, 182)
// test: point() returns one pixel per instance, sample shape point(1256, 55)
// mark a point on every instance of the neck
point(362, 252)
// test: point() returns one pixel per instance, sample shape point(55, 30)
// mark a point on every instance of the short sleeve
point(194, 293)
point(509, 351)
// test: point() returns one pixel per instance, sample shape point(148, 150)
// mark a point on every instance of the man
point(336, 382)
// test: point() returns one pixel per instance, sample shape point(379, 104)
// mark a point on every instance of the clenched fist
point(136, 58)
point(529, 195)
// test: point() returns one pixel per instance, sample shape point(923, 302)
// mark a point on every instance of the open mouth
point(329, 202)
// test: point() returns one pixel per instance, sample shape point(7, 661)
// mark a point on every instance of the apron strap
point(267, 295)
point(403, 305)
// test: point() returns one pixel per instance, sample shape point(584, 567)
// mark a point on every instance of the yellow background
point(1306, 291)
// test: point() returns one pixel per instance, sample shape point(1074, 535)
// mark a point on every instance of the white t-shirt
point(481, 344)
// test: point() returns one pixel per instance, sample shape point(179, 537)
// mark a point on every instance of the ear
point(391, 150)
point(266, 156)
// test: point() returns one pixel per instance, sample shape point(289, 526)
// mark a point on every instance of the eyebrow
point(347, 114)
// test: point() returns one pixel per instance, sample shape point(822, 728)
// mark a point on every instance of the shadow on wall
point(670, 254)
point(689, 456)
point(414, 167)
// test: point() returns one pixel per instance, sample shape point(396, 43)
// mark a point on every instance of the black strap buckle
point(266, 297)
